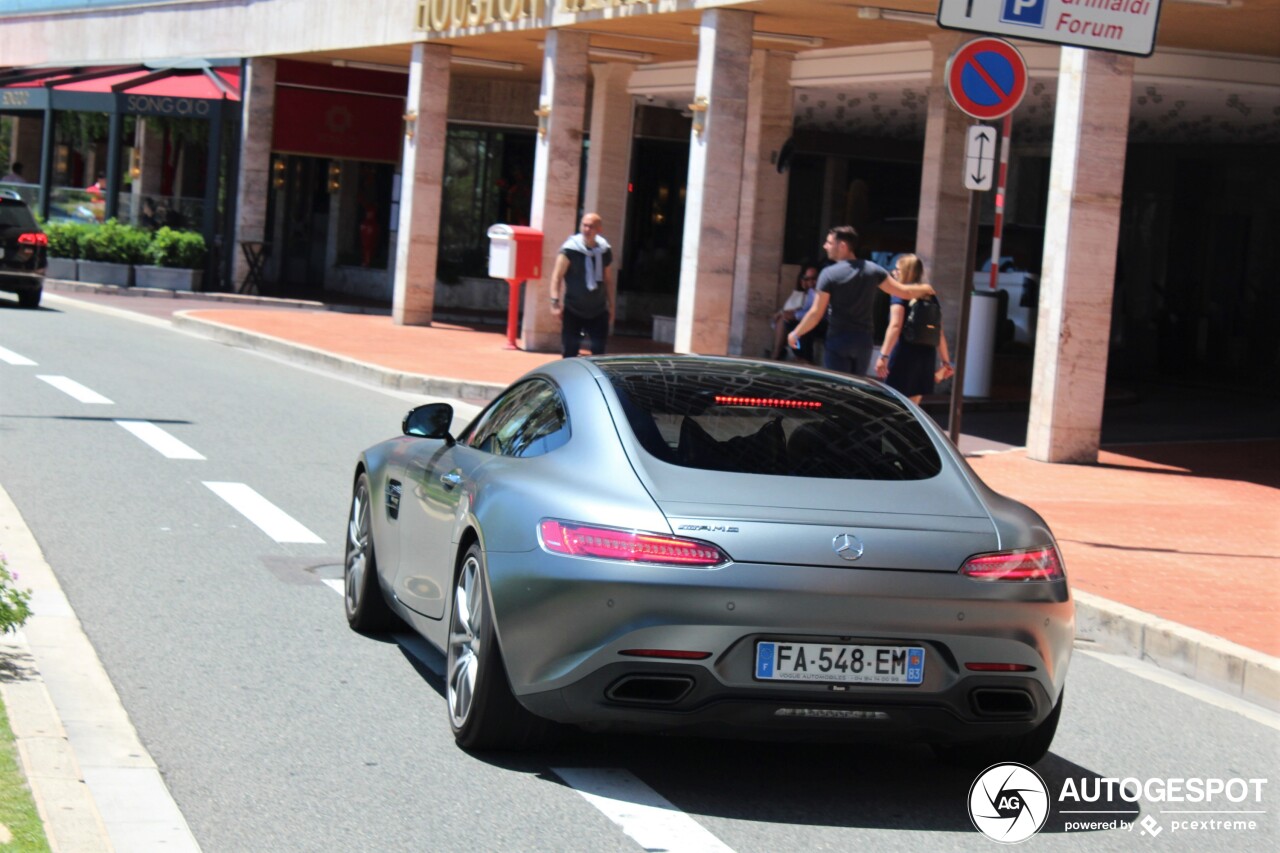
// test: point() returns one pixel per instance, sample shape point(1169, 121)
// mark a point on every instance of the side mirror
point(429, 421)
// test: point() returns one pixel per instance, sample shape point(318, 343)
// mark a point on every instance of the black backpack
point(924, 322)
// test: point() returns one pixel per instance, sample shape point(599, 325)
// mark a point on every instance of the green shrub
point(15, 603)
point(115, 243)
point(64, 238)
point(178, 249)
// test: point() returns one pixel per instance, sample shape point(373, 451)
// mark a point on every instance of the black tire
point(1026, 749)
point(366, 607)
point(483, 712)
point(30, 298)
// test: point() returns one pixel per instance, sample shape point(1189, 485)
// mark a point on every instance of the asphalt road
point(277, 728)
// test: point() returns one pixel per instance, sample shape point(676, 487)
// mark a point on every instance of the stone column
point(421, 186)
point(941, 236)
point(254, 181)
point(762, 218)
point(557, 171)
point(1086, 182)
point(609, 157)
point(705, 304)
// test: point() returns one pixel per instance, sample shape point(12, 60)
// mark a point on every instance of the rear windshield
point(15, 214)
point(728, 415)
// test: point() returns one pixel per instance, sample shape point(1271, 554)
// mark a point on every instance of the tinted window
point(15, 214)
point(528, 420)
point(723, 415)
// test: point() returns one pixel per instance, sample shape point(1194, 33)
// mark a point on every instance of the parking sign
point(1119, 26)
point(1029, 13)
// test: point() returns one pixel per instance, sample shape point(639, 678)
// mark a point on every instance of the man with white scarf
point(582, 288)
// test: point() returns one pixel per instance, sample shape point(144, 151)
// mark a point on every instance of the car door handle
point(451, 479)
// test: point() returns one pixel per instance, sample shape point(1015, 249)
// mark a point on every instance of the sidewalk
point(1172, 549)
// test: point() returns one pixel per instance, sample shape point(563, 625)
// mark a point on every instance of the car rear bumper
point(637, 697)
point(563, 623)
point(12, 281)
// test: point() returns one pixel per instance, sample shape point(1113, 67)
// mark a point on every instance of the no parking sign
point(987, 78)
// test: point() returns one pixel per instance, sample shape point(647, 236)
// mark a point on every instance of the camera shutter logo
point(1008, 803)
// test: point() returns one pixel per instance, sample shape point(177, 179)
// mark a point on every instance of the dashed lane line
point(641, 812)
point(75, 389)
point(160, 440)
point(268, 517)
point(10, 357)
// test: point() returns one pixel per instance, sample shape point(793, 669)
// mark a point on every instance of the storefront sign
point(338, 125)
point(444, 15)
point(1119, 26)
point(159, 105)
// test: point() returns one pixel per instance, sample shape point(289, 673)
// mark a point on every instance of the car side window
point(527, 421)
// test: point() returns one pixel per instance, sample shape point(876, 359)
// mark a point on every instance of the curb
point(63, 285)
point(1208, 659)
point(415, 383)
point(95, 785)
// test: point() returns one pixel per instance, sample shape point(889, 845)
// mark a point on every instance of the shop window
point(363, 195)
point(488, 179)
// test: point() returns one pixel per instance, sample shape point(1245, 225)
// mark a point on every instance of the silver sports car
point(712, 545)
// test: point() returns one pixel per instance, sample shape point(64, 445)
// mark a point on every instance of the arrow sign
point(980, 158)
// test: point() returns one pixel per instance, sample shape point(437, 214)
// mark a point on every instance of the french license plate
point(840, 663)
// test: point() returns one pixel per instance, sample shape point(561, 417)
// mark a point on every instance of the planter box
point(61, 268)
point(168, 278)
point(102, 272)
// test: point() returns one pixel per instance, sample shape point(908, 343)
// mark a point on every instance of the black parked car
point(22, 252)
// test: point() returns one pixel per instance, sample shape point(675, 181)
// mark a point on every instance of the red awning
point(171, 82)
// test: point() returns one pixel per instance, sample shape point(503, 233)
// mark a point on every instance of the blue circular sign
point(987, 78)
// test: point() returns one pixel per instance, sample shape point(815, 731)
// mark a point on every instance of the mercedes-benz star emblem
point(847, 546)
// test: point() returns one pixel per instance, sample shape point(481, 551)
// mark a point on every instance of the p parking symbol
point(1029, 13)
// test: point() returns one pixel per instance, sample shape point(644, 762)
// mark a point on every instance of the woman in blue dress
point(912, 369)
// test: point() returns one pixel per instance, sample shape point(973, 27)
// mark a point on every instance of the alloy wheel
point(357, 559)
point(464, 641)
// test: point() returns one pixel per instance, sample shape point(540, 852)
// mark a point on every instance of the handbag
point(924, 322)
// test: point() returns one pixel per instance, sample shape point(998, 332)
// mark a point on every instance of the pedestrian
point(98, 186)
point(845, 297)
point(581, 278)
point(911, 368)
point(789, 316)
point(15, 174)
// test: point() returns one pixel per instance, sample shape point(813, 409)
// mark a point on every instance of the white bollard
point(979, 354)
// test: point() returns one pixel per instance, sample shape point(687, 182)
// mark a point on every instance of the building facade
point(720, 140)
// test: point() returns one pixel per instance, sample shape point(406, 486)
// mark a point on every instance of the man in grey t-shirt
point(845, 295)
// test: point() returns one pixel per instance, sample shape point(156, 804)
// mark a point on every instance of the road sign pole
point(998, 230)
point(962, 336)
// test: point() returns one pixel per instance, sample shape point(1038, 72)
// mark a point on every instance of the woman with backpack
point(910, 352)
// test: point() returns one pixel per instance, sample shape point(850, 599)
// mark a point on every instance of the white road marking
point(1194, 689)
point(641, 812)
point(11, 357)
point(335, 584)
point(272, 520)
point(75, 389)
point(160, 440)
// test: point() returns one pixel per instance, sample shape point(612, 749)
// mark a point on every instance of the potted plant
point(64, 249)
point(109, 251)
point(177, 259)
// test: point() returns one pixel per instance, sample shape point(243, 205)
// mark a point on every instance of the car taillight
point(35, 238)
point(1038, 564)
point(632, 546)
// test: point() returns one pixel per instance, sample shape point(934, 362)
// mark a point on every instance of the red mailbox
point(515, 252)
